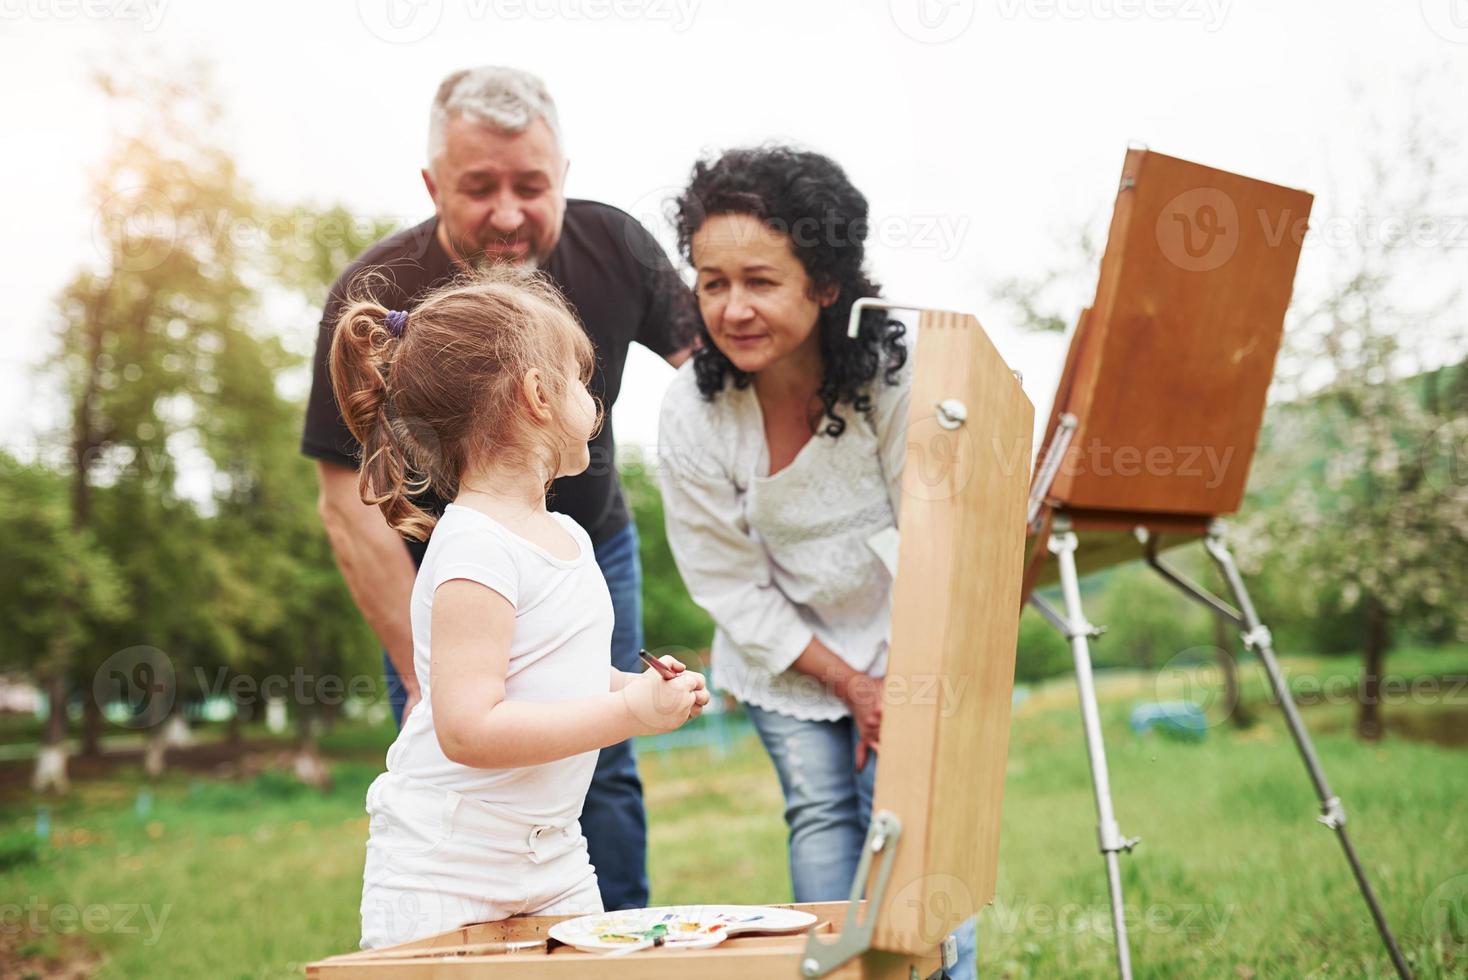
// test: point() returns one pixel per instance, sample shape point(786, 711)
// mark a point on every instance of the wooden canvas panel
point(1170, 373)
point(950, 679)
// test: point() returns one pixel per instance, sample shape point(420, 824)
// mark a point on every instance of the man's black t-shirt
point(616, 278)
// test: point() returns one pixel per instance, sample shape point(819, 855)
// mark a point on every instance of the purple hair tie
point(396, 321)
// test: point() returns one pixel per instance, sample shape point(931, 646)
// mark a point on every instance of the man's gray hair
point(506, 99)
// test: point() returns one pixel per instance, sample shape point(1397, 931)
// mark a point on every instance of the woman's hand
point(662, 705)
point(863, 695)
point(861, 692)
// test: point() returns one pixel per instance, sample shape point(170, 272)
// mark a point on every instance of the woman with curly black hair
point(782, 446)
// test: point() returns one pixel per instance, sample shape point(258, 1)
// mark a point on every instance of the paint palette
point(680, 926)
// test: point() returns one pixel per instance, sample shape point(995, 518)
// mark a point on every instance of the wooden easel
point(925, 868)
point(1154, 426)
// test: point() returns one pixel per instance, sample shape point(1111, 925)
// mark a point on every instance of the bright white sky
point(981, 132)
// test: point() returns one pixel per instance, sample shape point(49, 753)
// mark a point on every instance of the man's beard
point(477, 256)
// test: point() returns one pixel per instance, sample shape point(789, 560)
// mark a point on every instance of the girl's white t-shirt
point(561, 650)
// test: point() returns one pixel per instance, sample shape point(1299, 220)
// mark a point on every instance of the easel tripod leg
point(1079, 632)
point(1333, 814)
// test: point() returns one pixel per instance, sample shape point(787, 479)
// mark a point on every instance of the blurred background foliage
point(172, 363)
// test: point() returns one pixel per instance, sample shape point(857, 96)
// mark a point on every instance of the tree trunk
point(1228, 665)
point(50, 771)
point(176, 731)
point(311, 769)
point(155, 751)
point(1378, 637)
point(91, 727)
point(234, 733)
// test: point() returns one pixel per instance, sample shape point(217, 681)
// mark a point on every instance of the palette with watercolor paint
point(679, 926)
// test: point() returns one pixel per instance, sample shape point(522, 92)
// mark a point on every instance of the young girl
point(479, 394)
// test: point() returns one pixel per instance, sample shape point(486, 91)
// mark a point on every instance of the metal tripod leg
point(1257, 638)
point(1079, 632)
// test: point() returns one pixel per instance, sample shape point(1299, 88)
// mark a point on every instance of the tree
point(55, 585)
point(140, 337)
point(1382, 527)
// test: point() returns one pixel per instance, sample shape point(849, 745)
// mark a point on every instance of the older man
point(496, 173)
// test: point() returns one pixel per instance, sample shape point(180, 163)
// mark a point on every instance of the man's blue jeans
point(828, 804)
point(613, 820)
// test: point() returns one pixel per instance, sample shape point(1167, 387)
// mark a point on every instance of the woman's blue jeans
point(828, 803)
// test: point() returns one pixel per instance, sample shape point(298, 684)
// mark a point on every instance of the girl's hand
point(662, 705)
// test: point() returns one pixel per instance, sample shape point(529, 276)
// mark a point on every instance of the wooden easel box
point(1175, 356)
point(945, 727)
point(738, 958)
point(1168, 369)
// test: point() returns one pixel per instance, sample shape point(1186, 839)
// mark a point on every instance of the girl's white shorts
point(437, 860)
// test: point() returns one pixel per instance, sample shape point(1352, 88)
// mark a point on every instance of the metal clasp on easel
point(856, 937)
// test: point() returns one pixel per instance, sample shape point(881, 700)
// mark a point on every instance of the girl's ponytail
point(363, 348)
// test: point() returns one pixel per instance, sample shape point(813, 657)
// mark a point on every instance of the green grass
point(1234, 878)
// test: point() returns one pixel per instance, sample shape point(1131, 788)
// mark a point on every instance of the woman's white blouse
point(778, 559)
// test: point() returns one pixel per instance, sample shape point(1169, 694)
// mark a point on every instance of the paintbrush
point(664, 671)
